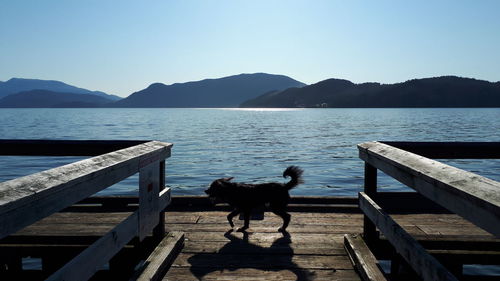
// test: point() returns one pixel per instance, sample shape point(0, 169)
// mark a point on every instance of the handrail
point(28, 199)
point(450, 150)
point(14, 147)
point(410, 249)
point(469, 195)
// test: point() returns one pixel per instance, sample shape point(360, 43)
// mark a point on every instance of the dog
point(245, 197)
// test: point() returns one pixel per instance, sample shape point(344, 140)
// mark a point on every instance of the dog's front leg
point(231, 216)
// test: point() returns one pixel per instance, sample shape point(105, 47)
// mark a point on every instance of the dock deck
point(313, 249)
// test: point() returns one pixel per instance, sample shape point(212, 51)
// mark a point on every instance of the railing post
point(369, 230)
point(149, 189)
point(370, 179)
point(159, 230)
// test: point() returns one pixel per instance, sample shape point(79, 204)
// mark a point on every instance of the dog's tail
point(295, 173)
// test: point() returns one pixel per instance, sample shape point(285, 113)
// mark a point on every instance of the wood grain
point(28, 199)
point(417, 257)
point(363, 259)
point(473, 197)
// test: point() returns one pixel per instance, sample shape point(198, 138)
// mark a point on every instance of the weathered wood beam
point(451, 150)
point(417, 257)
point(363, 259)
point(83, 266)
point(407, 203)
point(370, 187)
point(370, 182)
point(469, 195)
point(159, 231)
point(28, 199)
point(149, 190)
point(157, 264)
point(165, 198)
point(202, 200)
point(63, 147)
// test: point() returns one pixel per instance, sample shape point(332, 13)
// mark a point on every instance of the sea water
point(253, 145)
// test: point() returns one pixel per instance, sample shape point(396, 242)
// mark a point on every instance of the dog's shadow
point(240, 253)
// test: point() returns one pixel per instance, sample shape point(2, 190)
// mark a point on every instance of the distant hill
point(44, 98)
point(445, 91)
point(222, 92)
point(17, 85)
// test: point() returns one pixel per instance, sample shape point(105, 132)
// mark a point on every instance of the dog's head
point(217, 190)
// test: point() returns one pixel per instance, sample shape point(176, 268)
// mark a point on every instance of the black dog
point(244, 197)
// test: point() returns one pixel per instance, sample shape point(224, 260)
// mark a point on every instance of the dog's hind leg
point(246, 217)
point(231, 216)
point(286, 219)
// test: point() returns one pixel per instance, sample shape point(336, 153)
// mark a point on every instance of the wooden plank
point(272, 220)
point(262, 237)
point(198, 200)
point(201, 200)
point(328, 204)
point(473, 197)
point(309, 215)
point(77, 224)
point(161, 258)
point(467, 257)
point(295, 228)
point(426, 266)
point(262, 247)
point(201, 203)
point(300, 208)
point(192, 273)
point(429, 219)
point(451, 150)
point(21, 147)
point(27, 199)
point(232, 261)
point(66, 230)
point(83, 266)
point(407, 203)
point(452, 230)
point(362, 258)
point(164, 198)
point(453, 246)
point(87, 218)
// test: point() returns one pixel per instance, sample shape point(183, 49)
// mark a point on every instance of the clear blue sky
point(123, 46)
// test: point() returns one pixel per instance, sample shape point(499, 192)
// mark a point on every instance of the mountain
point(222, 92)
point(44, 98)
point(16, 85)
point(445, 91)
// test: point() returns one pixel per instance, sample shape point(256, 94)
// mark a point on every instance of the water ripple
point(254, 145)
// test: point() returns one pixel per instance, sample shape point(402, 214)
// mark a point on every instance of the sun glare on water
point(263, 109)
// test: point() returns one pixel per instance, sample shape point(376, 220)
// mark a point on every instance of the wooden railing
point(469, 195)
point(28, 199)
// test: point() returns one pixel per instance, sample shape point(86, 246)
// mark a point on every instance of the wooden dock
point(50, 228)
point(314, 248)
